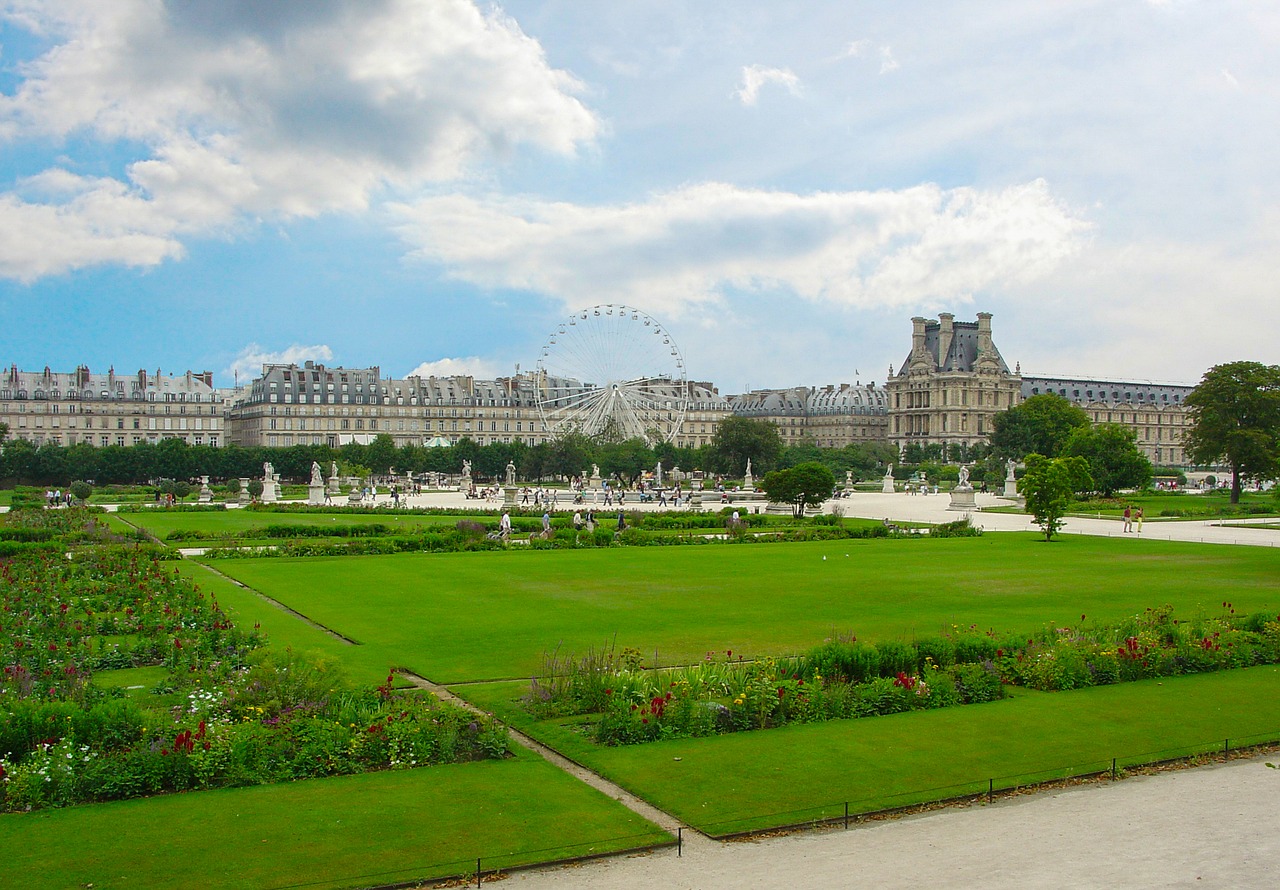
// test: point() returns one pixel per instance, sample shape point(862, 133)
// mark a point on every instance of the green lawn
point(236, 522)
point(352, 831)
point(753, 780)
point(1177, 505)
point(469, 616)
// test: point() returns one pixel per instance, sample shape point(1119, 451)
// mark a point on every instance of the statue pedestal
point(1011, 488)
point(886, 486)
point(270, 491)
point(354, 497)
point(315, 495)
point(206, 494)
point(245, 497)
point(509, 493)
point(962, 498)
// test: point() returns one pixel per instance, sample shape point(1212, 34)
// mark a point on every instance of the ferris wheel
point(612, 370)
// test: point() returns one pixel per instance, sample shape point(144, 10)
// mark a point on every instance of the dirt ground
point(1214, 826)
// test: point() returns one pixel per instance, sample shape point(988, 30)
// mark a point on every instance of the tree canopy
point(739, 439)
point(802, 485)
point(1041, 425)
point(1049, 484)
point(1114, 459)
point(1235, 417)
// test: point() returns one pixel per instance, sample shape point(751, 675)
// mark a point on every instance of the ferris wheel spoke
point(612, 364)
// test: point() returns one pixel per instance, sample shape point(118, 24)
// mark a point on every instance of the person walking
point(1128, 518)
point(504, 526)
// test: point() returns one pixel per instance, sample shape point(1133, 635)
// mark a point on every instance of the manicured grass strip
point(351, 831)
point(235, 522)
point(754, 780)
point(468, 616)
point(363, 664)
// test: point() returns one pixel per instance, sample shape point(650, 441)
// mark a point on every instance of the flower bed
point(848, 678)
point(228, 712)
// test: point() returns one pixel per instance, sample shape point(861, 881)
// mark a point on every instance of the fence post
point(1113, 769)
point(477, 871)
point(991, 789)
point(679, 841)
point(1226, 748)
point(846, 815)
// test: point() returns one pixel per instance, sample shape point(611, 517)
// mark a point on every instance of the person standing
point(504, 526)
point(1128, 518)
point(1137, 519)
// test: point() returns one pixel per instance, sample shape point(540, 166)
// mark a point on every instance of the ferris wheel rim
point(651, 404)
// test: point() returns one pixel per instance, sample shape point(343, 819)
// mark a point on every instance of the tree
point(803, 484)
point(1115, 461)
point(1049, 484)
point(627, 460)
point(255, 488)
point(81, 491)
point(739, 439)
point(1235, 417)
point(1041, 425)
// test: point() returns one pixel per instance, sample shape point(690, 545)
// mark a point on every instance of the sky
point(434, 186)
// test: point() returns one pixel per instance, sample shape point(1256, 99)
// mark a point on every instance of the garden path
point(691, 837)
point(1213, 826)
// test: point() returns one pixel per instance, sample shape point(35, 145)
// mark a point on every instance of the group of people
point(1132, 519)
point(56, 497)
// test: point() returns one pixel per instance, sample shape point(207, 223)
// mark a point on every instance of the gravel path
point(1214, 826)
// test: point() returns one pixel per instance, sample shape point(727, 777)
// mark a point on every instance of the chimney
point(984, 333)
point(917, 337)
point(946, 333)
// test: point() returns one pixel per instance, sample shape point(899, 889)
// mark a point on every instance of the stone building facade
point(313, 404)
point(831, 416)
point(952, 383)
point(1154, 411)
point(50, 407)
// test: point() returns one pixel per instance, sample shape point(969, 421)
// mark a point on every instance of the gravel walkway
point(1214, 826)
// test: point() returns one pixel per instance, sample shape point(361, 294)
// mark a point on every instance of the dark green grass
point(785, 776)
point(373, 829)
point(1186, 506)
point(467, 616)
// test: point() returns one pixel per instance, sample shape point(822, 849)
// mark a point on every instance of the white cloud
point(857, 48)
point(756, 76)
point(248, 363)
point(279, 110)
point(698, 244)
point(887, 61)
point(472, 366)
point(1230, 78)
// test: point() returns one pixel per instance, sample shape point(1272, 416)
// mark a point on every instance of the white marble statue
point(317, 477)
point(466, 467)
point(511, 473)
point(964, 476)
point(268, 471)
point(1008, 466)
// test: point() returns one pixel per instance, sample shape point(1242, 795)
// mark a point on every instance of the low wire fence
point(848, 812)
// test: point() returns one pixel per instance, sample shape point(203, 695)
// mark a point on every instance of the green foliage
point(1114, 459)
point(81, 491)
point(739, 439)
point(1234, 416)
point(1040, 425)
point(1049, 485)
point(804, 484)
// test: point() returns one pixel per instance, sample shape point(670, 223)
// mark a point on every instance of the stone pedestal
point(315, 495)
point(695, 499)
point(962, 499)
point(270, 490)
point(206, 494)
point(886, 485)
point(509, 493)
point(465, 485)
point(245, 497)
point(1011, 488)
point(332, 485)
point(354, 497)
